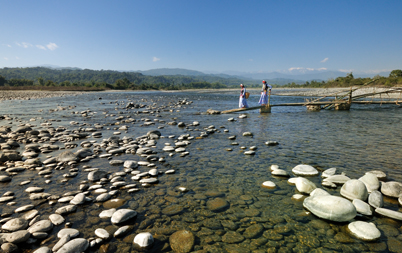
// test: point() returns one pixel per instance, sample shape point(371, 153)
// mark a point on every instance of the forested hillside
point(109, 79)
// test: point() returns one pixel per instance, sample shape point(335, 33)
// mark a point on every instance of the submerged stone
point(332, 208)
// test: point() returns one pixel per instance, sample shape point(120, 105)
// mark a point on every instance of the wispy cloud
point(250, 60)
point(325, 60)
point(41, 47)
point(52, 46)
point(300, 69)
point(155, 59)
point(7, 45)
point(5, 58)
point(17, 57)
point(23, 44)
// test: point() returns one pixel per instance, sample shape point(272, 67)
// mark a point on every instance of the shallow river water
point(256, 219)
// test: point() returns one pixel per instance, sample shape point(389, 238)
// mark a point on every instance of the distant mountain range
point(302, 75)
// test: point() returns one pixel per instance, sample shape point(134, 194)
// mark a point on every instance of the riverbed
point(252, 218)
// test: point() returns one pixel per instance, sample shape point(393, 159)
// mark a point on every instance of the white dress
point(242, 99)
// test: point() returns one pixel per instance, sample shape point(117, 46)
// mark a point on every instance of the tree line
point(76, 79)
point(394, 78)
point(108, 79)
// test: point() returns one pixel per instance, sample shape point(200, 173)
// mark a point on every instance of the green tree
point(395, 73)
point(41, 82)
point(2, 80)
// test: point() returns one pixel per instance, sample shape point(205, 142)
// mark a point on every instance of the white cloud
point(7, 45)
point(41, 47)
point(303, 70)
point(17, 57)
point(155, 59)
point(5, 58)
point(52, 46)
point(325, 60)
point(23, 44)
point(250, 60)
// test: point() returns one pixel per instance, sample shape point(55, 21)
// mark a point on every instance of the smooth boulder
point(304, 170)
point(354, 189)
point(365, 231)
point(332, 208)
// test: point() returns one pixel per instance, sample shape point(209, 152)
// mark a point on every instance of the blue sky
point(247, 36)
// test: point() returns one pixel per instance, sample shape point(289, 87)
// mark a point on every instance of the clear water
point(260, 220)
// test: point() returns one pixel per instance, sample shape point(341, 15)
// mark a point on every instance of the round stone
point(354, 189)
point(144, 240)
point(217, 204)
point(72, 232)
point(371, 182)
point(332, 208)
point(304, 170)
point(269, 185)
point(362, 207)
point(365, 231)
point(304, 185)
point(391, 189)
point(123, 215)
point(75, 245)
point(375, 199)
point(15, 225)
point(182, 241)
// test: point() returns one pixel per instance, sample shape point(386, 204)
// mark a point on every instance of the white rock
point(389, 213)
point(375, 199)
point(328, 172)
point(72, 232)
point(391, 189)
point(379, 174)
point(304, 170)
point(74, 246)
point(304, 185)
point(354, 189)
point(144, 239)
point(337, 179)
point(107, 213)
point(123, 215)
point(362, 207)
point(319, 192)
point(274, 167)
point(269, 185)
point(78, 199)
point(56, 219)
point(102, 233)
point(365, 231)
point(292, 180)
point(280, 173)
point(371, 182)
point(332, 208)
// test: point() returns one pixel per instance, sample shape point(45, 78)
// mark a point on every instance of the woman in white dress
point(242, 99)
point(264, 96)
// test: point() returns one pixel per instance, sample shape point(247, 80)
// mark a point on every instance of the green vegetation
point(86, 79)
point(108, 79)
point(394, 79)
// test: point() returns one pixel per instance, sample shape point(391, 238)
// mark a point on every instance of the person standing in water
point(242, 99)
point(264, 96)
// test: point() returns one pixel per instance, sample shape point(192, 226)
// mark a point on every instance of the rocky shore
point(33, 94)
